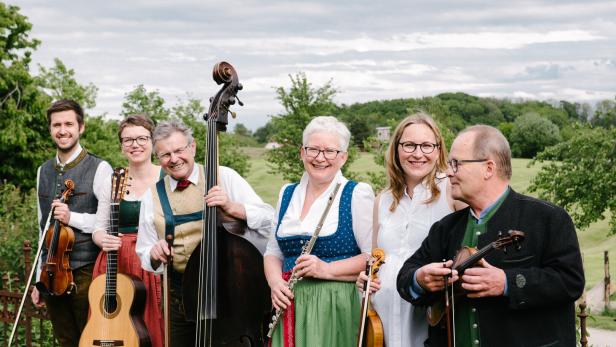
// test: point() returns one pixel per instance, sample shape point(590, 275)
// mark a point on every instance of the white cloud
point(370, 50)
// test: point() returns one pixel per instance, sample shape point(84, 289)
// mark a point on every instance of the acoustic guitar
point(116, 300)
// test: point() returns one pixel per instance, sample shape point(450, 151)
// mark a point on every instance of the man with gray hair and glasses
point(524, 297)
point(180, 194)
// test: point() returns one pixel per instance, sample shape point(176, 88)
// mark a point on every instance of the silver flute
point(305, 250)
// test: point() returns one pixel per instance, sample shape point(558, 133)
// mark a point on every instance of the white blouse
point(400, 234)
point(291, 224)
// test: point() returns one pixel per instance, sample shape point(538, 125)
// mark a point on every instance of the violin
point(57, 275)
point(371, 327)
point(465, 258)
point(224, 288)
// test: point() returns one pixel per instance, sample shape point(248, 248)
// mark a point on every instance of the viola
point(117, 301)
point(224, 288)
point(57, 275)
point(370, 326)
point(465, 258)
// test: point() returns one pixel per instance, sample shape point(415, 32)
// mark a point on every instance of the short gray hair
point(167, 128)
point(490, 142)
point(328, 124)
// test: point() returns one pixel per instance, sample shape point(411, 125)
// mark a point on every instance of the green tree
point(60, 83)
point(580, 175)
point(240, 129)
point(531, 133)
point(101, 139)
point(301, 102)
point(24, 136)
point(605, 114)
point(263, 134)
point(139, 100)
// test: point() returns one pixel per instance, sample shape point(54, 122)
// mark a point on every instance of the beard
point(67, 149)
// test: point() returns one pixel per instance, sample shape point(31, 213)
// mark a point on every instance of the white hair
point(328, 124)
point(167, 128)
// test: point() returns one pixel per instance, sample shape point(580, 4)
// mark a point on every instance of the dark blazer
point(544, 277)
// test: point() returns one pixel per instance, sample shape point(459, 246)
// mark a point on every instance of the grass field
point(593, 240)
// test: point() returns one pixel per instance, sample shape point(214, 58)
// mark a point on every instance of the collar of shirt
point(303, 183)
point(490, 207)
point(193, 178)
point(73, 156)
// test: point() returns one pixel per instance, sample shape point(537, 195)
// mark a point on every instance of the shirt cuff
point(415, 289)
point(506, 291)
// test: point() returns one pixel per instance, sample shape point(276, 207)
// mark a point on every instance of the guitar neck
point(112, 256)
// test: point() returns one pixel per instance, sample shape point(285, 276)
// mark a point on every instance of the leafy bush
point(18, 218)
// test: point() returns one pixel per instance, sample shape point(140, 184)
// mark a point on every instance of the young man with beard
point(69, 312)
point(525, 297)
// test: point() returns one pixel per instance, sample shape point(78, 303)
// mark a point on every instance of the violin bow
point(450, 310)
point(31, 275)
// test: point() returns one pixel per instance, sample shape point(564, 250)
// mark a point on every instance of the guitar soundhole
point(110, 305)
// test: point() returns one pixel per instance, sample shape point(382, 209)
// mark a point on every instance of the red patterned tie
point(182, 184)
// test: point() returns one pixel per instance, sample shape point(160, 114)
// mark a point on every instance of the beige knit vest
point(188, 235)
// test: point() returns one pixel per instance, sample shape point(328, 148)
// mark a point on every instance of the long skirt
point(326, 314)
point(129, 264)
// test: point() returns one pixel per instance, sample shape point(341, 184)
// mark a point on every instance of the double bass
point(224, 288)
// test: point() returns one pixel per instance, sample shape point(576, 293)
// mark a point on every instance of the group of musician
point(435, 203)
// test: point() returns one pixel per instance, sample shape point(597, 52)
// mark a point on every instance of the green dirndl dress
point(326, 312)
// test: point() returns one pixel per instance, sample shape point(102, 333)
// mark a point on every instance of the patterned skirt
point(326, 314)
point(130, 264)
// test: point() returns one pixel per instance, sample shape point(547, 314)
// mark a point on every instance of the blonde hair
point(395, 173)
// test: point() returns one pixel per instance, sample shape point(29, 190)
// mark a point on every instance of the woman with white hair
point(323, 309)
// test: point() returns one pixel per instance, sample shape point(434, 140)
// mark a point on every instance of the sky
point(369, 50)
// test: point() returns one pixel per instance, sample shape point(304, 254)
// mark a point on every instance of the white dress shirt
point(291, 224)
point(258, 214)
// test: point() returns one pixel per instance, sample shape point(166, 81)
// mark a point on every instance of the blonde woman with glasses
point(418, 194)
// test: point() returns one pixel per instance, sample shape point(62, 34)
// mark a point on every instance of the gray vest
point(51, 183)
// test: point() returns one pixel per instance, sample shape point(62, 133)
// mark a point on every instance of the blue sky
point(545, 50)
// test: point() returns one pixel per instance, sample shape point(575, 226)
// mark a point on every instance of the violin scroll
point(378, 258)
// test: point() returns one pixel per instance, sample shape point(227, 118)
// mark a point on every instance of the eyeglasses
point(454, 163)
point(328, 153)
point(167, 156)
point(141, 140)
point(410, 147)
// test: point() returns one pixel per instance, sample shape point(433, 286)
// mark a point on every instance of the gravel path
point(601, 338)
